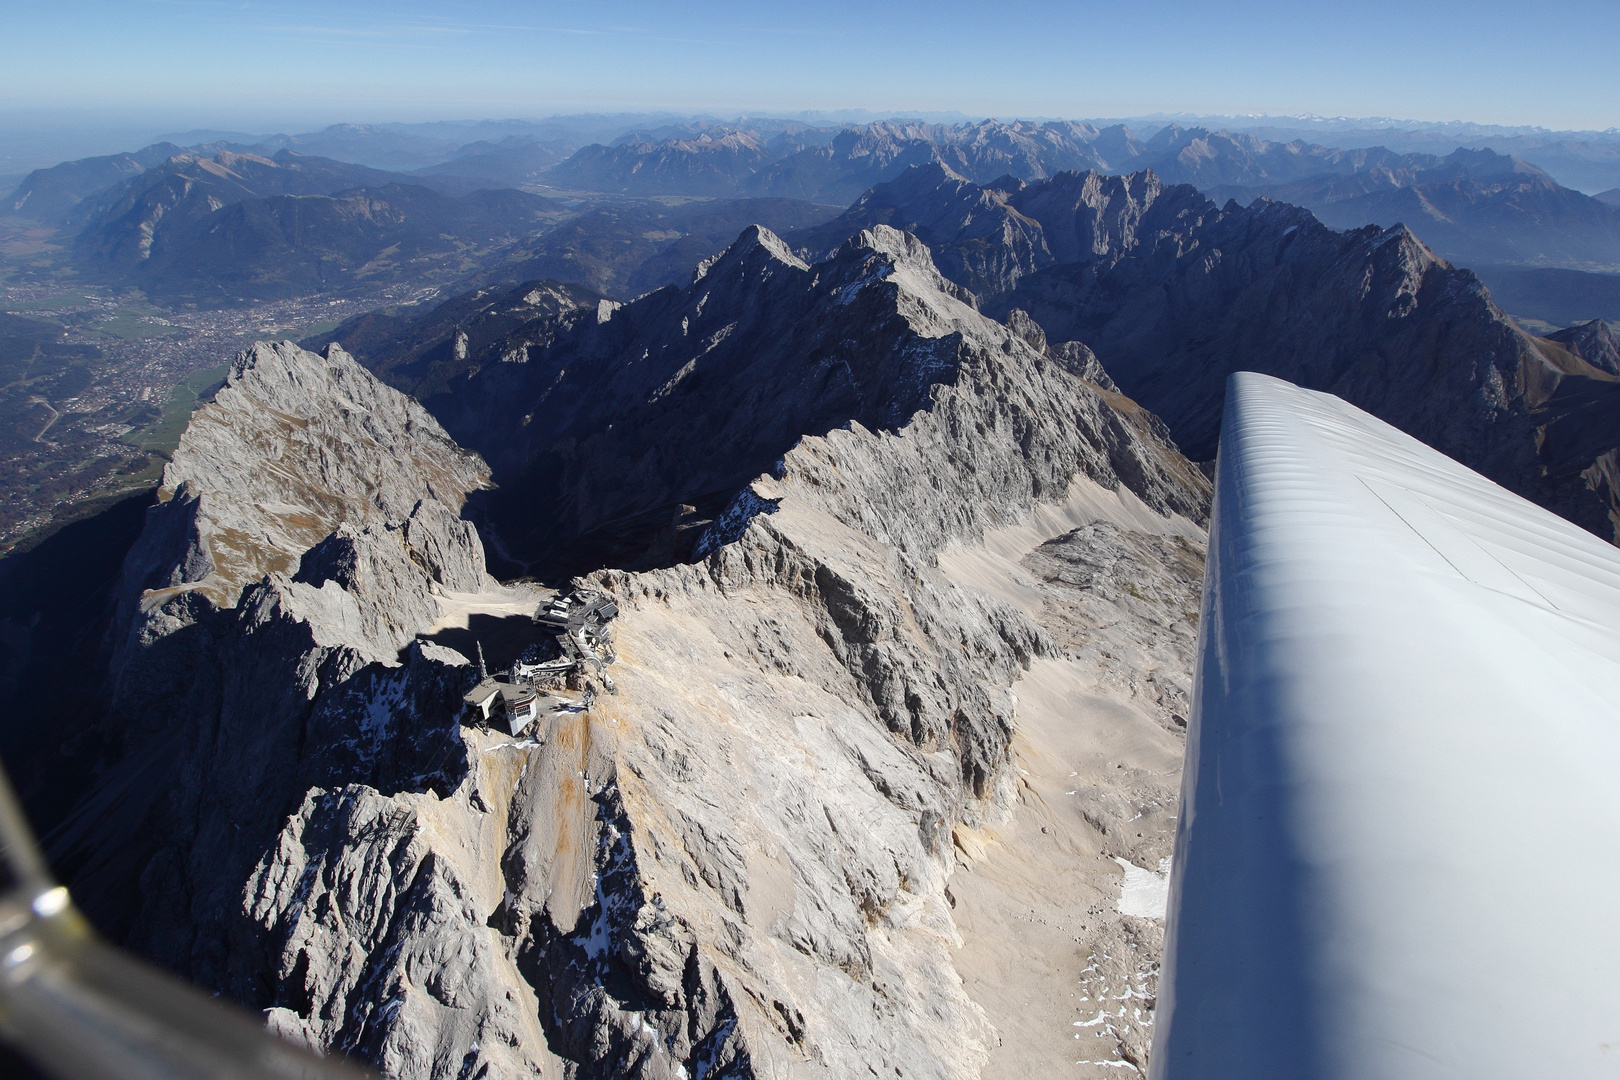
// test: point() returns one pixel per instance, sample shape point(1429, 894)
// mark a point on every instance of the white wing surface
point(1399, 848)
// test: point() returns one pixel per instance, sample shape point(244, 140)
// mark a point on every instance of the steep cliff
point(1174, 293)
point(306, 525)
point(658, 412)
point(858, 801)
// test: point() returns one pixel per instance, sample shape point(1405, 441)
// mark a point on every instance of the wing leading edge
point(1399, 846)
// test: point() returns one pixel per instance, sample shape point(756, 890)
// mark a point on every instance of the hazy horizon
point(175, 65)
point(32, 139)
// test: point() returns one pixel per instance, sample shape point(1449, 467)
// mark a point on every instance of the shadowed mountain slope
point(600, 437)
point(1473, 206)
point(626, 250)
point(49, 195)
point(1593, 342)
point(1173, 293)
point(420, 351)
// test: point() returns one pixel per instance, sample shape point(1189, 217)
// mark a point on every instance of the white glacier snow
point(1144, 893)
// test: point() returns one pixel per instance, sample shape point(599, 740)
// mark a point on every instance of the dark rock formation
point(1173, 293)
point(599, 438)
point(1593, 342)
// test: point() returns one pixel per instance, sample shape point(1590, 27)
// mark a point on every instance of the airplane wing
point(1399, 846)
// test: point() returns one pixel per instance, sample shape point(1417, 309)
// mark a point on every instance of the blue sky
point(262, 65)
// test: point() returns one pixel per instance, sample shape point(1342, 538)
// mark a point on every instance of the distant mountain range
point(1473, 206)
point(1156, 291)
point(139, 217)
point(49, 195)
point(700, 166)
point(238, 226)
point(838, 168)
point(1173, 293)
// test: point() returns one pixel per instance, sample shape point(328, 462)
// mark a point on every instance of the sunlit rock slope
point(880, 742)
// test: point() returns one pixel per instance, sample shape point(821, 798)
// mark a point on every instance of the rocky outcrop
point(739, 863)
point(1173, 294)
point(679, 399)
point(1593, 342)
point(308, 523)
point(297, 450)
point(988, 238)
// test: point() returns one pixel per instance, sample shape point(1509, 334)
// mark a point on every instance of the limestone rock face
point(684, 396)
point(309, 531)
point(293, 447)
point(789, 843)
point(1173, 293)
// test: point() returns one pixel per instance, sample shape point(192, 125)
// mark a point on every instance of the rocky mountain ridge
point(737, 865)
point(1173, 293)
point(860, 338)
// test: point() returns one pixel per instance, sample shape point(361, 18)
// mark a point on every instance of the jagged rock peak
point(1593, 342)
point(755, 243)
point(735, 865)
point(912, 267)
point(293, 446)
